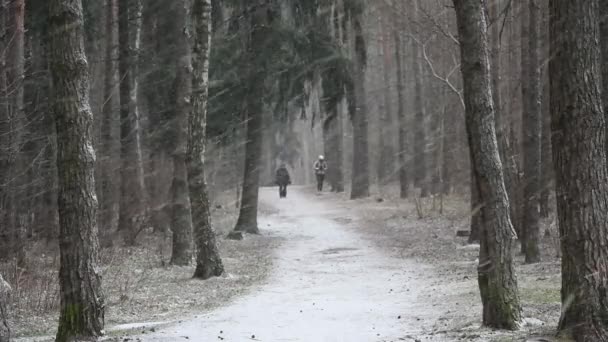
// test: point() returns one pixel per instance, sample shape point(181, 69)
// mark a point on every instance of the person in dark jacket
point(282, 179)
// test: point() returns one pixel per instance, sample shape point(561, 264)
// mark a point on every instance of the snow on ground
point(329, 284)
point(366, 270)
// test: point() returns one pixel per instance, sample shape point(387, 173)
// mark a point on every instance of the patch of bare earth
point(449, 308)
point(139, 284)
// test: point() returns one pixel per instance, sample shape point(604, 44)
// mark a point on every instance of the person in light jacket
point(320, 168)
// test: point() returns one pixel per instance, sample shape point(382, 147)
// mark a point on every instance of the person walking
point(320, 168)
point(282, 179)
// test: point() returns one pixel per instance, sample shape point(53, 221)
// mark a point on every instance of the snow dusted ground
point(328, 284)
point(367, 270)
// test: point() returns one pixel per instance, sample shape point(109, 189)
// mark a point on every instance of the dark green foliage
point(298, 48)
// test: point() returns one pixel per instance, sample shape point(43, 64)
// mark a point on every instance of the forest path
point(328, 284)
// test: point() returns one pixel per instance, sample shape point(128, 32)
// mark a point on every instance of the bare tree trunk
point(132, 200)
point(332, 137)
point(581, 171)
point(248, 213)
point(16, 115)
point(208, 261)
point(107, 160)
point(386, 165)
point(5, 331)
point(546, 159)
point(82, 300)
point(532, 123)
point(360, 170)
point(476, 219)
point(420, 178)
point(497, 280)
point(604, 54)
point(181, 214)
point(401, 115)
point(5, 243)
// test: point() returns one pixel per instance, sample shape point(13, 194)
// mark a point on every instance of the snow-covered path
point(328, 285)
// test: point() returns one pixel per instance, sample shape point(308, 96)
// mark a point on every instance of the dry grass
point(138, 282)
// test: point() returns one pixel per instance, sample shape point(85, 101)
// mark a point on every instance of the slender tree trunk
point(181, 214)
point(5, 331)
point(420, 178)
point(546, 159)
point(581, 171)
point(386, 165)
point(497, 280)
point(82, 303)
point(532, 123)
point(248, 214)
point(108, 183)
point(208, 261)
point(17, 125)
point(332, 136)
point(132, 199)
point(401, 115)
point(360, 170)
point(604, 54)
point(5, 243)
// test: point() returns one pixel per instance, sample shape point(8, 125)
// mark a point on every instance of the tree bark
point(360, 170)
point(132, 199)
point(332, 137)
point(15, 74)
point(181, 214)
point(401, 115)
point(604, 55)
point(208, 261)
point(532, 125)
point(581, 171)
point(546, 159)
point(82, 303)
point(476, 219)
point(108, 183)
point(418, 126)
point(248, 214)
point(386, 165)
point(496, 276)
point(5, 331)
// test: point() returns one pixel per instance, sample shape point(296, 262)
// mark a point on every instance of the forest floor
point(324, 268)
point(139, 283)
point(370, 270)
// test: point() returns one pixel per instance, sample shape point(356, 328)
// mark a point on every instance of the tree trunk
point(132, 199)
point(420, 178)
point(108, 183)
point(181, 214)
point(248, 213)
point(5, 243)
point(401, 115)
point(476, 219)
point(82, 304)
point(497, 280)
point(386, 165)
point(332, 137)
point(17, 125)
point(546, 159)
point(357, 99)
point(604, 55)
point(532, 124)
point(581, 171)
point(208, 261)
point(5, 331)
